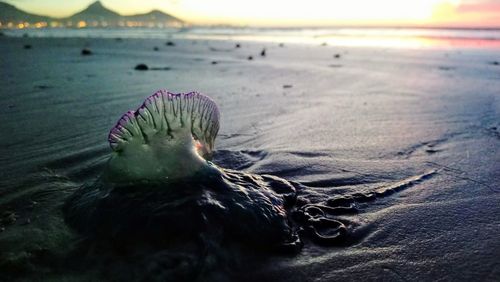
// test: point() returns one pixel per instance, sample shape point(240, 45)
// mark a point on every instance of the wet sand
point(369, 119)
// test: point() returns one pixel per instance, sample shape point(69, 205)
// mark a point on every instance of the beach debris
point(238, 45)
point(156, 48)
point(141, 67)
point(263, 52)
point(170, 43)
point(287, 86)
point(336, 56)
point(86, 52)
point(27, 46)
point(42, 86)
point(250, 58)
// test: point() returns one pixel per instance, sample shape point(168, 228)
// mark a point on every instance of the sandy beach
point(367, 118)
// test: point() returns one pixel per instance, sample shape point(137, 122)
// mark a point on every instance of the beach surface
point(337, 120)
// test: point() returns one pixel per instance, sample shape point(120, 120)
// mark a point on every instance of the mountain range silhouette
point(95, 14)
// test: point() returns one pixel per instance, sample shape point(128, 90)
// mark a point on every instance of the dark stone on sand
point(287, 86)
point(238, 45)
point(495, 63)
point(250, 58)
point(336, 56)
point(170, 43)
point(263, 52)
point(156, 49)
point(27, 46)
point(86, 52)
point(214, 62)
point(141, 67)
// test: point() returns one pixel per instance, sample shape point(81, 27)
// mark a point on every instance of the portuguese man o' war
point(159, 186)
point(159, 182)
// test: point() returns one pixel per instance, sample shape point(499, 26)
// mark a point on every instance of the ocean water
point(370, 37)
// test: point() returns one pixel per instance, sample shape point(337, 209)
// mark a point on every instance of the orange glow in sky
point(474, 13)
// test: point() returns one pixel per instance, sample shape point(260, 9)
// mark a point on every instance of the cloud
point(488, 7)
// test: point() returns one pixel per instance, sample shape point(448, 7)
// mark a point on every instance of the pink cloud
point(487, 7)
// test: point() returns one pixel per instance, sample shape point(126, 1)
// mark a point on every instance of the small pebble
point(156, 49)
point(214, 62)
point(250, 58)
point(141, 67)
point(287, 86)
point(27, 46)
point(238, 45)
point(86, 52)
point(170, 43)
point(336, 56)
point(263, 52)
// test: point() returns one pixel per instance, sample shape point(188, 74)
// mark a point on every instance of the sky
point(452, 13)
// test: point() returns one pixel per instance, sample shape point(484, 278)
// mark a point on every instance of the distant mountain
point(95, 12)
point(94, 15)
point(9, 13)
point(153, 16)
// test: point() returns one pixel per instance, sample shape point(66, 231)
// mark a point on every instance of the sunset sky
point(463, 13)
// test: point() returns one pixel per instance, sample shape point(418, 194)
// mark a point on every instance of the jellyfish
point(159, 184)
